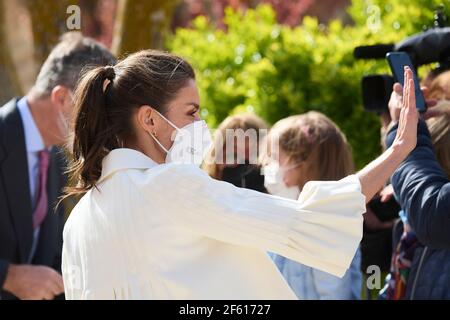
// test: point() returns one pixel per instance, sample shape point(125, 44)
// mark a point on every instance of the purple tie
point(42, 202)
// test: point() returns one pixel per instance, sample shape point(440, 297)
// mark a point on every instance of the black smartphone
point(397, 61)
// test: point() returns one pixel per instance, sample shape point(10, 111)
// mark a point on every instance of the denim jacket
point(312, 284)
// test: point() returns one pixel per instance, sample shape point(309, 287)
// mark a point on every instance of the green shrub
point(276, 71)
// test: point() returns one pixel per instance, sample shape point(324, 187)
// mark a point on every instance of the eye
point(194, 111)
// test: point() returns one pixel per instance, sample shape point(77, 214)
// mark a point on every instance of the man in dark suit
point(32, 171)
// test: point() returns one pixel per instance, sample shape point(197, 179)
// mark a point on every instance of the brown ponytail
point(104, 101)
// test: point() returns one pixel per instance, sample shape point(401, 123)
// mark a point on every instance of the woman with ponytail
point(152, 225)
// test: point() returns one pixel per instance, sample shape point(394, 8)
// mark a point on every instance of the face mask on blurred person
point(190, 144)
point(273, 181)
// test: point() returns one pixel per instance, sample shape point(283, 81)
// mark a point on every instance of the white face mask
point(273, 181)
point(190, 144)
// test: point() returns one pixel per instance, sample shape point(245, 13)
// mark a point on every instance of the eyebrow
point(193, 104)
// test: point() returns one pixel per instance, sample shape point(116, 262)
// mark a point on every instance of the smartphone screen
point(397, 61)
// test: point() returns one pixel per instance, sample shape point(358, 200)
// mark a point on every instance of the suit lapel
point(14, 170)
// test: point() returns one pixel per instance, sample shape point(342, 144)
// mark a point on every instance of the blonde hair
point(439, 86)
point(439, 89)
point(243, 121)
point(315, 141)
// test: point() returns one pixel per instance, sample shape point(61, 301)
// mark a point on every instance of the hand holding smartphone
point(397, 61)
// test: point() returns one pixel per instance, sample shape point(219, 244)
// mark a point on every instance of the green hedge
point(276, 71)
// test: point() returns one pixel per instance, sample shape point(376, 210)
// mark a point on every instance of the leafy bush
point(276, 71)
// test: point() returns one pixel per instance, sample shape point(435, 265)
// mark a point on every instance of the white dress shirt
point(33, 144)
point(170, 231)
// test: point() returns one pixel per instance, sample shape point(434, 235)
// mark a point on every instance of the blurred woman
point(440, 135)
point(420, 267)
point(235, 158)
point(311, 147)
point(440, 126)
point(152, 225)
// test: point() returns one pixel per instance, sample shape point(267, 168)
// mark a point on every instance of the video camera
point(423, 48)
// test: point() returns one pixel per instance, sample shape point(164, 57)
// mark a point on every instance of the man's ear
point(58, 96)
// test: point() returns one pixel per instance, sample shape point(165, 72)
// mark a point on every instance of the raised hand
point(375, 175)
point(406, 138)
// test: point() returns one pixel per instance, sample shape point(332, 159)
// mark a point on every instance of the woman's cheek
point(292, 178)
point(288, 179)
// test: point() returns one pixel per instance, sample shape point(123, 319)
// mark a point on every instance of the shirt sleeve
point(348, 287)
point(322, 229)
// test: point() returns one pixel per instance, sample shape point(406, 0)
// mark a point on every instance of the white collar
point(33, 138)
point(124, 158)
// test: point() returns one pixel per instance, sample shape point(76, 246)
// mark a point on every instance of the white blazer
point(169, 231)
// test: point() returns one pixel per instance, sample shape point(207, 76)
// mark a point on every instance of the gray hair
point(70, 59)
